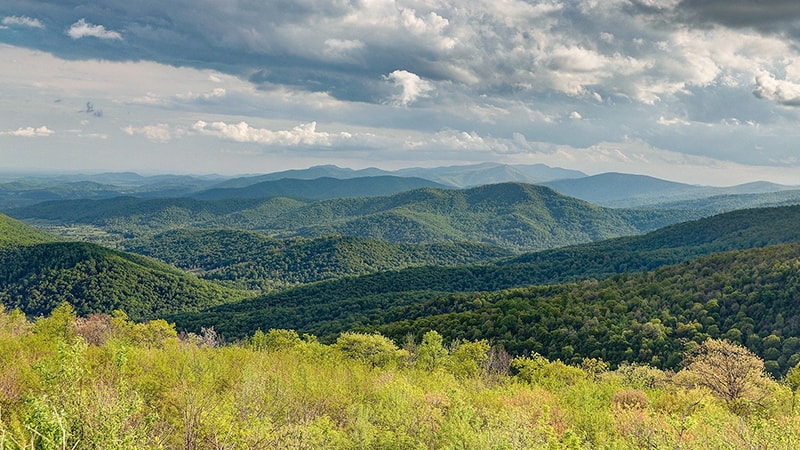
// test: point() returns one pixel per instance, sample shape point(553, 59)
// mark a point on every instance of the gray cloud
point(472, 77)
point(764, 14)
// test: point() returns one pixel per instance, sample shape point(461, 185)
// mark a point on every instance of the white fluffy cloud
point(82, 29)
point(785, 92)
point(29, 132)
point(305, 134)
point(161, 132)
point(23, 21)
point(410, 86)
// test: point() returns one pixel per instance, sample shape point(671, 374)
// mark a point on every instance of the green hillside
point(14, 232)
point(511, 215)
point(742, 229)
point(331, 307)
point(514, 216)
point(36, 278)
point(255, 261)
point(747, 297)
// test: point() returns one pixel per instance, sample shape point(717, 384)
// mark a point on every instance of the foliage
point(373, 349)
point(342, 304)
point(36, 278)
point(14, 232)
point(650, 318)
point(647, 318)
point(121, 393)
point(255, 261)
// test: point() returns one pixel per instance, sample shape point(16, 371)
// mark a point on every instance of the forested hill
point(14, 232)
point(735, 230)
point(253, 260)
point(334, 306)
point(36, 278)
point(514, 216)
point(748, 297)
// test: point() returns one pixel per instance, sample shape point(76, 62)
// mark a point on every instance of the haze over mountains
point(608, 189)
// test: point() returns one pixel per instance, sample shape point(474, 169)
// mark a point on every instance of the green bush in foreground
point(103, 382)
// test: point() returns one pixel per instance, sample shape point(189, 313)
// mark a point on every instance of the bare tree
point(732, 372)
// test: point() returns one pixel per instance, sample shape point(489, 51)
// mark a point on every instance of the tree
point(374, 349)
point(793, 380)
point(431, 353)
point(732, 372)
point(467, 359)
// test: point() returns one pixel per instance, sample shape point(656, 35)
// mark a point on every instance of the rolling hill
point(330, 307)
point(747, 297)
point(255, 261)
point(14, 232)
point(514, 216)
point(36, 278)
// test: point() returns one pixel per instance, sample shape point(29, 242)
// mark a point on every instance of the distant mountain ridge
point(608, 189)
point(621, 190)
point(321, 188)
point(491, 173)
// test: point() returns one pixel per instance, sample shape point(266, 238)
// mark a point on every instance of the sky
point(698, 91)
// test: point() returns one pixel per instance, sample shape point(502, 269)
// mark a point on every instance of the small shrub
point(630, 399)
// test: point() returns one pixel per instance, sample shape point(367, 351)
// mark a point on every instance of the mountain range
point(608, 189)
point(514, 216)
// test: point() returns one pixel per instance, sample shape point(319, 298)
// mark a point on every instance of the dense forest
point(37, 273)
point(254, 261)
point(654, 317)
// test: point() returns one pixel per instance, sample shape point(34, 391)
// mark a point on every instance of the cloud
point(305, 134)
point(410, 85)
point(29, 132)
point(158, 133)
point(784, 92)
point(742, 13)
point(23, 21)
point(82, 29)
point(215, 93)
point(639, 69)
point(672, 122)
